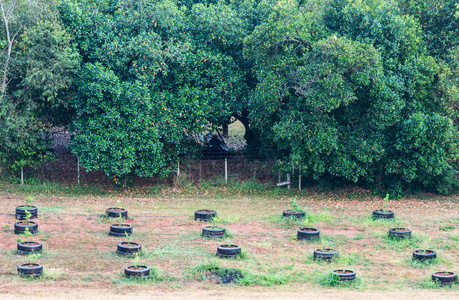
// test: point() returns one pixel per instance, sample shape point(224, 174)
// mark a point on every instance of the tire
point(307, 233)
point(205, 215)
point(379, 214)
point(344, 274)
point(20, 227)
point(210, 232)
point(114, 212)
point(128, 248)
point(228, 251)
point(35, 270)
point(401, 233)
point(21, 212)
point(445, 279)
point(120, 229)
point(26, 248)
point(425, 255)
point(325, 254)
point(137, 271)
point(293, 214)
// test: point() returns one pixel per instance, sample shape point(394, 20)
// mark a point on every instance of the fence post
point(178, 167)
point(226, 171)
point(78, 170)
point(22, 175)
point(288, 180)
point(299, 179)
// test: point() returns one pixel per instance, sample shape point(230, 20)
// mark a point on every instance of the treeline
point(362, 91)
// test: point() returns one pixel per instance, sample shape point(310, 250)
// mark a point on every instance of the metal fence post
point(178, 167)
point(299, 179)
point(78, 170)
point(226, 171)
point(288, 180)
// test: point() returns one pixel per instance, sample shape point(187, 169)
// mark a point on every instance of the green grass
point(155, 276)
point(447, 227)
point(245, 277)
point(293, 222)
point(57, 189)
point(175, 250)
point(331, 280)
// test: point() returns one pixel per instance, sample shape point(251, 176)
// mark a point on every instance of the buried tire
point(444, 278)
point(228, 251)
point(307, 233)
point(424, 255)
point(137, 271)
point(325, 254)
point(21, 212)
point(401, 233)
point(20, 227)
point(114, 212)
point(205, 215)
point(344, 275)
point(128, 248)
point(30, 269)
point(383, 214)
point(120, 229)
point(213, 232)
point(293, 214)
point(25, 248)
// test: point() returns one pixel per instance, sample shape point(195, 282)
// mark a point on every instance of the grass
point(155, 276)
point(293, 222)
point(271, 256)
point(331, 280)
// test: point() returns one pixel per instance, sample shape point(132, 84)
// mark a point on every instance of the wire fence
point(238, 168)
point(236, 165)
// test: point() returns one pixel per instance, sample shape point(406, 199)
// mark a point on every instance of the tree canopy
point(360, 91)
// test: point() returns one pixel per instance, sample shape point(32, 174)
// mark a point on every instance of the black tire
point(26, 248)
point(424, 254)
point(307, 233)
point(401, 233)
point(20, 227)
point(114, 212)
point(137, 271)
point(128, 248)
point(231, 250)
point(21, 212)
point(120, 229)
point(293, 214)
point(210, 232)
point(380, 214)
point(345, 274)
point(33, 269)
point(325, 254)
point(445, 279)
point(205, 215)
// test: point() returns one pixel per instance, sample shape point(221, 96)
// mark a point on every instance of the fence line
point(69, 171)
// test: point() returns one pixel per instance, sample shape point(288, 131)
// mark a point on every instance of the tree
point(341, 86)
point(38, 66)
point(150, 46)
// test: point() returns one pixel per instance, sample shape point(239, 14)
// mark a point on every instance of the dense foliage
point(363, 91)
point(38, 68)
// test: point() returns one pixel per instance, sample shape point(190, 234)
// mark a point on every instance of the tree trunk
point(225, 130)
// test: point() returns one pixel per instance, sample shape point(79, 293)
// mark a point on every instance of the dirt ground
point(80, 261)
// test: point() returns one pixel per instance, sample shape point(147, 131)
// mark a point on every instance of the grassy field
point(79, 256)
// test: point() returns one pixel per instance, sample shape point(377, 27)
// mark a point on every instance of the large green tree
point(38, 66)
point(185, 78)
point(346, 90)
